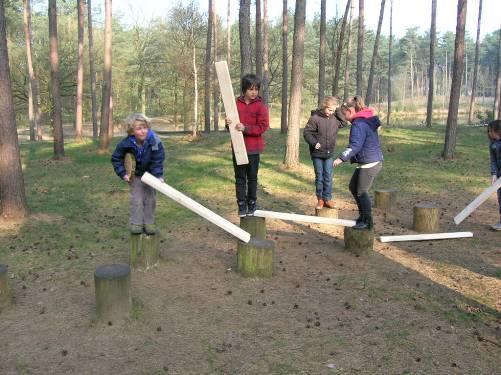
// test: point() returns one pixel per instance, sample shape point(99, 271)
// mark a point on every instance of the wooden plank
point(424, 237)
point(194, 206)
point(477, 201)
point(230, 108)
point(304, 218)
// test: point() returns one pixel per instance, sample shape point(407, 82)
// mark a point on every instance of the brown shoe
point(329, 204)
point(320, 204)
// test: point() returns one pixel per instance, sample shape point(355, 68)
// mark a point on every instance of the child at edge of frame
point(254, 121)
point(494, 134)
point(147, 148)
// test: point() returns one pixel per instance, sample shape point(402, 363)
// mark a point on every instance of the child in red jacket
point(254, 121)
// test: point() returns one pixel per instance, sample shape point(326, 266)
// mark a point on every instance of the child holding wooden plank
point(321, 133)
point(148, 151)
point(254, 121)
point(494, 134)
point(365, 150)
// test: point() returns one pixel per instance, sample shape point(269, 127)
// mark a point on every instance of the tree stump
point(385, 199)
point(256, 258)
point(5, 296)
point(326, 212)
point(256, 226)
point(358, 241)
point(426, 218)
point(144, 250)
point(112, 286)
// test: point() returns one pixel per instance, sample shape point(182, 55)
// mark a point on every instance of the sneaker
point(329, 204)
point(251, 208)
point(320, 204)
point(496, 226)
point(242, 208)
point(136, 229)
point(150, 229)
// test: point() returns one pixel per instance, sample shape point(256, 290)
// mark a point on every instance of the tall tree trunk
point(208, 60)
point(291, 158)
point(266, 49)
point(33, 84)
point(347, 66)
point(321, 53)
point(80, 73)
point(390, 42)
point(360, 46)
point(215, 89)
point(337, 64)
point(194, 131)
point(285, 68)
point(92, 71)
point(56, 94)
point(475, 66)
point(245, 38)
point(497, 93)
point(457, 73)
point(228, 34)
point(104, 139)
point(12, 195)
point(175, 103)
point(431, 67)
point(368, 96)
point(259, 41)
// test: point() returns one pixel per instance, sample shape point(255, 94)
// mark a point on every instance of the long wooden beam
point(477, 201)
point(423, 237)
point(196, 207)
point(304, 218)
point(230, 108)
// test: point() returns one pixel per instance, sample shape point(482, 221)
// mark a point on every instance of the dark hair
point(494, 126)
point(250, 80)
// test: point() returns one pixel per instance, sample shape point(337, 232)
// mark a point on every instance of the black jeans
point(360, 183)
point(246, 178)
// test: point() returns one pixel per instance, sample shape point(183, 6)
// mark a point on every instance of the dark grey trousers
point(142, 202)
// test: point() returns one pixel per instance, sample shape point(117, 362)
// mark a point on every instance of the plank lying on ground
point(304, 218)
point(477, 201)
point(196, 207)
point(422, 237)
point(230, 108)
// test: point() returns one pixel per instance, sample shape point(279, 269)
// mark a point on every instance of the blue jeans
point(323, 177)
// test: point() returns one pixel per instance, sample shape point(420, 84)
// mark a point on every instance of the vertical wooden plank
point(230, 107)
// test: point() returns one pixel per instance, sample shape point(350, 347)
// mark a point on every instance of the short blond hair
point(329, 101)
point(136, 117)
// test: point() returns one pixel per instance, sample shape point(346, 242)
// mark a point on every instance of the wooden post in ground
point(326, 212)
point(426, 218)
point(358, 241)
point(112, 287)
point(144, 250)
point(256, 226)
point(256, 258)
point(385, 199)
point(5, 296)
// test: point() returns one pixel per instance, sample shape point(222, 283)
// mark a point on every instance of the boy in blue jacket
point(365, 150)
point(149, 154)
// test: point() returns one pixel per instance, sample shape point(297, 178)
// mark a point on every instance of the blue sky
point(406, 13)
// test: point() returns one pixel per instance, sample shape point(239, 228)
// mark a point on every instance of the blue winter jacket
point(149, 158)
point(364, 144)
point(495, 156)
